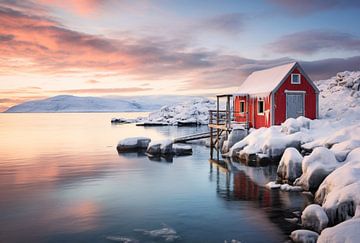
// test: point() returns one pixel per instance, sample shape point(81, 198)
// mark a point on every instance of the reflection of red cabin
point(270, 96)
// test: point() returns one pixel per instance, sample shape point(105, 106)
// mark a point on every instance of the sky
point(165, 47)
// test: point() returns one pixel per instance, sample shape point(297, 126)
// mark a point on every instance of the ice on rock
point(314, 218)
point(348, 231)
point(133, 144)
point(304, 236)
point(315, 167)
point(290, 165)
point(339, 193)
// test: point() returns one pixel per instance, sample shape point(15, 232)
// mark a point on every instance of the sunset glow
point(124, 48)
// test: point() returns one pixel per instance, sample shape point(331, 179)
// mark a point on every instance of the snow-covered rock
point(314, 218)
point(181, 149)
point(315, 167)
point(289, 188)
point(304, 236)
point(342, 149)
point(290, 165)
point(237, 134)
point(271, 141)
point(339, 193)
point(348, 231)
point(163, 147)
point(293, 125)
point(133, 144)
point(167, 148)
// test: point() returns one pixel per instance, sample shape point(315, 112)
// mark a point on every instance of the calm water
point(62, 180)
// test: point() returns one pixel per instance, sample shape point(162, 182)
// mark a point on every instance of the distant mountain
point(69, 103)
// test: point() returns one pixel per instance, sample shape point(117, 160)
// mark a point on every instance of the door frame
point(303, 92)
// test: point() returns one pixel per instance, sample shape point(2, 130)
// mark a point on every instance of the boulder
point(133, 144)
point(314, 218)
point(182, 149)
point(315, 167)
point(237, 134)
point(290, 166)
point(304, 236)
point(347, 231)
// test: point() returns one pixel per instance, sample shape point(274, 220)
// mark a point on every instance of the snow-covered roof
point(265, 81)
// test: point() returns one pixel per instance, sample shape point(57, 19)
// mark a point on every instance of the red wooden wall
point(280, 98)
point(251, 103)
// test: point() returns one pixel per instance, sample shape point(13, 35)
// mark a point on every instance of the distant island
point(70, 103)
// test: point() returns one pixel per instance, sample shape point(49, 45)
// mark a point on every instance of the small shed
point(268, 97)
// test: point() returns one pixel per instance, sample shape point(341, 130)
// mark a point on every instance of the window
point(295, 78)
point(242, 106)
point(260, 107)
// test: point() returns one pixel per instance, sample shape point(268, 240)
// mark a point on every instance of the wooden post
point(211, 135)
point(217, 129)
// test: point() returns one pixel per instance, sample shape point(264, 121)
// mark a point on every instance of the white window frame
point(258, 107)
point(241, 102)
point(292, 78)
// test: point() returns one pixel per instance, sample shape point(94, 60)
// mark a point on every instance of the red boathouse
point(268, 97)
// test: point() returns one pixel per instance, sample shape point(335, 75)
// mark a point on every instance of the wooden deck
point(221, 122)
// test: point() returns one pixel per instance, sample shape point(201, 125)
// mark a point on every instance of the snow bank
point(314, 218)
point(133, 144)
point(272, 141)
point(348, 231)
point(304, 236)
point(339, 193)
point(290, 165)
point(315, 167)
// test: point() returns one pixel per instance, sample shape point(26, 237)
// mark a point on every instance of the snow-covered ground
point(194, 110)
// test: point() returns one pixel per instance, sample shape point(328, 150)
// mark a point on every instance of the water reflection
point(62, 180)
point(237, 182)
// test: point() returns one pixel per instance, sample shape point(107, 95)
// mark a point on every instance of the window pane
point(296, 78)
point(242, 107)
point(261, 106)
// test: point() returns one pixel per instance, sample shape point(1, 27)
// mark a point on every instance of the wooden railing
point(227, 118)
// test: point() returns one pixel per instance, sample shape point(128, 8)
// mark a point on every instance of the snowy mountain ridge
point(70, 103)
